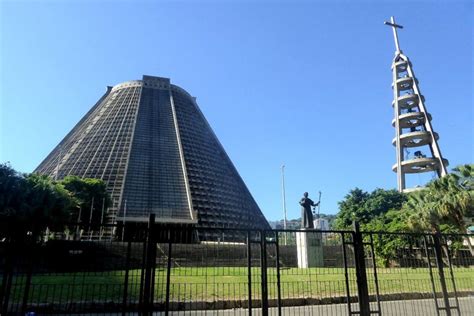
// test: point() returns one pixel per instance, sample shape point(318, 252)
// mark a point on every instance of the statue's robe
point(306, 213)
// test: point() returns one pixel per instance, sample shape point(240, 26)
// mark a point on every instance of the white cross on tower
point(395, 35)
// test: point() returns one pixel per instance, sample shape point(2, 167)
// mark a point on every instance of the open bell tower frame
point(412, 122)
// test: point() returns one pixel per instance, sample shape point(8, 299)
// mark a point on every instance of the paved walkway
point(425, 307)
point(391, 308)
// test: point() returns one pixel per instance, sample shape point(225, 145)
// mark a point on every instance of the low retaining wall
point(91, 307)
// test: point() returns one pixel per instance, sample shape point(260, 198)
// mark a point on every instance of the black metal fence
point(164, 271)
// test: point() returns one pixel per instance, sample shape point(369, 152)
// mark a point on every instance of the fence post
point(7, 279)
point(149, 267)
point(125, 286)
point(249, 270)
point(263, 267)
point(277, 250)
point(428, 258)
point(362, 288)
point(346, 274)
point(439, 263)
point(29, 258)
point(168, 273)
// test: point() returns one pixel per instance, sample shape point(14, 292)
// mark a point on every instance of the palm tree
point(422, 215)
point(455, 199)
point(446, 200)
point(465, 176)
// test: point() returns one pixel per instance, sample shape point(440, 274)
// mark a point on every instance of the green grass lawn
point(229, 283)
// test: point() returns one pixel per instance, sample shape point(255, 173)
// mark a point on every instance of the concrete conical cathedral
point(148, 140)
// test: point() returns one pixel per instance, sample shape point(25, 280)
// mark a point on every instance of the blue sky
point(306, 84)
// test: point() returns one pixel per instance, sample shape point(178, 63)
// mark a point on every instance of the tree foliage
point(443, 203)
point(12, 191)
point(89, 194)
point(31, 197)
point(32, 202)
point(464, 175)
point(364, 207)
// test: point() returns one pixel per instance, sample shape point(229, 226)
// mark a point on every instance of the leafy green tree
point(30, 203)
point(351, 208)
point(89, 194)
point(47, 201)
point(386, 245)
point(33, 202)
point(12, 191)
point(392, 221)
point(377, 211)
point(363, 207)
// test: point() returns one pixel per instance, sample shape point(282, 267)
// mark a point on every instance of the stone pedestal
point(309, 248)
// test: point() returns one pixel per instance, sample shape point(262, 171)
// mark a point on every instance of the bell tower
point(412, 122)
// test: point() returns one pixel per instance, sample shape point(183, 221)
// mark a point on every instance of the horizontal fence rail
point(157, 270)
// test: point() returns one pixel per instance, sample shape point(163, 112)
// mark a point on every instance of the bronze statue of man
point(306, 213)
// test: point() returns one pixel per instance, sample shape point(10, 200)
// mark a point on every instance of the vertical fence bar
point(439, 263)
point(125, 285)
point(346, 273)
point(7, 279)
point(428, 257)
point(150, 258)
point(30, 255)
point(168, 275)
point(142, 272)
point(145, 284)
point(376, 280)
point(451, 273)
point(152, 262)
point(263, 267)
point(5, 291)
point(153, 273)
point(249, 270)
point(4, 281)
point(361, 273)
point(277, 245)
